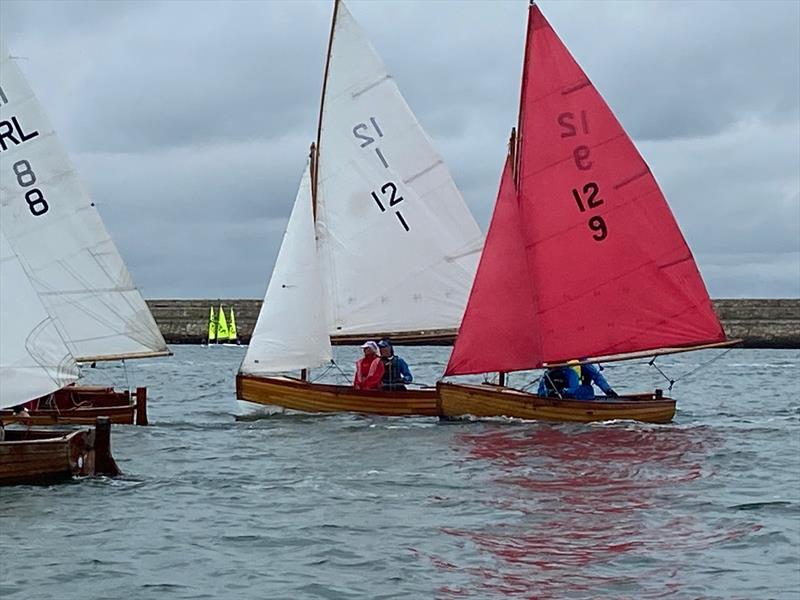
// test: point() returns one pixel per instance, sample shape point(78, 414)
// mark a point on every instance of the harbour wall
point(761, 323)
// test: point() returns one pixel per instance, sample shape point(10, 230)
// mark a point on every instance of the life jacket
point(373, 367)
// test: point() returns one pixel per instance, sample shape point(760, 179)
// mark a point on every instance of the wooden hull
point(36, 456)
point(304, 396)
point(81, 405)
point(495, 401)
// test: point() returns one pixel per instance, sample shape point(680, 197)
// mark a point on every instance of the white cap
point(371, 344)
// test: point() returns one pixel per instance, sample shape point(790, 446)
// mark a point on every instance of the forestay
point(398, 245)
point(60, 240)
point(34, 360)
point(291, 332)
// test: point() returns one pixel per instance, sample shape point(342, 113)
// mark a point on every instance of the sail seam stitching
point(631, 179)
point(370, 86)
point(423, 172)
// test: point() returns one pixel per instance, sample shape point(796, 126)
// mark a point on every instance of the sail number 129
point(590, 200)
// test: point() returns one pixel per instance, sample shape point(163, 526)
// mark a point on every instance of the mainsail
point(34, 360)
point(59, 238)
point(608, 270)
point(232, 333)
point(222, 326)
point(291, 332)
point(212, 326)
point(398, 245)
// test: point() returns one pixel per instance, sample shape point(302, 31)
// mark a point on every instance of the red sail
point(610, 271)
point(500, 306)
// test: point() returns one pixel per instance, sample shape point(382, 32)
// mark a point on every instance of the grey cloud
point(190, 121)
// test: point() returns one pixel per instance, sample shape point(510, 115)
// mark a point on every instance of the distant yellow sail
point(232, 328)
point(222, 326)
point(212, 326)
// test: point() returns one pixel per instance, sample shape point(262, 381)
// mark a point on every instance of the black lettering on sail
point(12, 130)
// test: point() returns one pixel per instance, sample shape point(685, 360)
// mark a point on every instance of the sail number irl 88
point(588, 200)
point(26, 178)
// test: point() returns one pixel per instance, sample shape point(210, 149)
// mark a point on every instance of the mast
point(312, 158)
point(523, 85)
point(315, 148)
point(512, 151)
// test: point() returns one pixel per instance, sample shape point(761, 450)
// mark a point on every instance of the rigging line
point(672, 382)
point(322, 374)
point(528, 386)
point(553, 385)
point(700, 366)
point(338, 368)
point(652, 363)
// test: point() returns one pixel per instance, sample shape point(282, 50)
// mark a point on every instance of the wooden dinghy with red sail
point(62, 244)
point(34, 361)
point(583, 258)
point(379, 243)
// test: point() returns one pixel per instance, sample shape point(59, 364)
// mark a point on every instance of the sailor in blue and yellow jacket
point(574, 380)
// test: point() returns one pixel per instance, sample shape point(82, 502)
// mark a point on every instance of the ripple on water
point(345, 506)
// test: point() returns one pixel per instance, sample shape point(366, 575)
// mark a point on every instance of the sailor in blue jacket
point(396, 373)
point(574, 380)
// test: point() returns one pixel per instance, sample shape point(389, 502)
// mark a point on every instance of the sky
point(189, 122)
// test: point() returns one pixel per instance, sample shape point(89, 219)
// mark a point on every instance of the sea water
point(347, 506)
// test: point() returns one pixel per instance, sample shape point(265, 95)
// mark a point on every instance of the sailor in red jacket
point(369, 370)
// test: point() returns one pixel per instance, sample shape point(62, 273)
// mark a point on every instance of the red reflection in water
point(594, 502)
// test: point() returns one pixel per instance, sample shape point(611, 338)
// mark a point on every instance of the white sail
point(34, 360)
point(291, 332)
point(398, 245)
point(56, 232)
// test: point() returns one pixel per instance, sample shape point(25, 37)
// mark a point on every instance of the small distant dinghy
point(583, 258)
point(212, 327)
point(373, 182)
point(71, 261)
point(221, 330)
point(34, 361)
point(233, 335)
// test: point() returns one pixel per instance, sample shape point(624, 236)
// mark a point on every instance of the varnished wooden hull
point(309, 397)
point(81, 405)
point(47, 455)
point(494, 401)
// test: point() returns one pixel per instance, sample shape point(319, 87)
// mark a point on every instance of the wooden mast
point(314, 151)
point(315, 148)
point(512, 154)
point(516, 135)
point(524, 79)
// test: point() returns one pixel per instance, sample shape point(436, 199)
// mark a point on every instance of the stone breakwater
point(761, 323)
